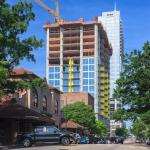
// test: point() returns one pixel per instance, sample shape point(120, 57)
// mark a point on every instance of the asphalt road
point(89, 147)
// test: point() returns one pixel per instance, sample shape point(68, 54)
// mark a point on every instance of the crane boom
point(50, 11)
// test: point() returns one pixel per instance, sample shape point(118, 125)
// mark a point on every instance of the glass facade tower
point(112, 24)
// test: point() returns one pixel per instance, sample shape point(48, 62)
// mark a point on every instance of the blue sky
point(135, 15)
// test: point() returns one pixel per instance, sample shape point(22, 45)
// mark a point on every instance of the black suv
point(48, 134)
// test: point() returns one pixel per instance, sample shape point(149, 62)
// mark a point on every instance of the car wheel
point(65, 141)
point(27, 142)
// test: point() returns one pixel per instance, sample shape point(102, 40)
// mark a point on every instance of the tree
point(121, 131)
point(14, 22)
point(133, 87)
point(100, 128)
point(139, 129)
point(80, 113)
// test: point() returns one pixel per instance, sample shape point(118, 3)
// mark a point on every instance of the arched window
point(35, 98)
point(44, 103)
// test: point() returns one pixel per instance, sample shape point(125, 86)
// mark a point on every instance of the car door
point(40, 134)
point(53, 134)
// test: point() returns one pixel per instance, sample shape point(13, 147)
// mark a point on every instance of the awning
point(15, 111)
point(71, 125)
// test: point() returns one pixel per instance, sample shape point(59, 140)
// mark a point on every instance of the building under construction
point(78, 59)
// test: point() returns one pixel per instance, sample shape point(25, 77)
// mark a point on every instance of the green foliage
point(121, 132)
point(14, 21)
point(80, 113)
point(139, 129)
point(133, 87)
point(100, 128)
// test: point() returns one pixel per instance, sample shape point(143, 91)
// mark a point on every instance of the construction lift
point(55, 14)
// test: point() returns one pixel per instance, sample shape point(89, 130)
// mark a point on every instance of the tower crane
point(55, 14)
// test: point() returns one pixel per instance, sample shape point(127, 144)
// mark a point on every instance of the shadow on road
point(40, 145)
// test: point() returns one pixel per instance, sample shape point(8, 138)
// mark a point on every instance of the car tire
point(65, 141)
point(27, 142)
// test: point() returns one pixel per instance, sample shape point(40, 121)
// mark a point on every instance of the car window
point(40, 130)
point(51, 130)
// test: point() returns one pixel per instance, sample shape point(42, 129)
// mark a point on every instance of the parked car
point(140, 140)
point(84, 140)
point(148, 141)
point(119, 140)
point(77, 138)
point(48, 134)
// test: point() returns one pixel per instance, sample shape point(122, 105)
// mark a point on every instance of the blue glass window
point(57, 69)
point(51, 76)
point(85, 81)
point(91, 81)
point(77, 89)
point(76, 75)
point(57, 75)
point(65, 89)
point(85, 74)
point(91, 74)
point(91, 88)
point(85, 61)
point(65, 75)
point(76, 68)
point(51, 82)
point(57, 82)
point(91, 67)
point(76, 82)
point(65, 82)
point(85, 88)
point(85, 68)
point(51, 69)
point(91, 61)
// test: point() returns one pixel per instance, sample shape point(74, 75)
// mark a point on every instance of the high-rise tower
point(78, 55)
point(112, 24)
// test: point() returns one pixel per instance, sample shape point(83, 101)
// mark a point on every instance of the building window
point(76, 89)
point(57, 69)
point(91, 61)
point(35, 98)
point(76, 75)
point(91, 88)
point(85, 61)
point(91, 74)
point(51, 76)
point(44, 103)
point(51, 82)
point(76, 82)
point(65, 82)
point(85, 74)
point(85, 88)
point(57, 82)
point(85, 68)
point(91, 81)
point(65, 89)
point(57, 76)
point(85, 81)
point(65, 75)
point(91, 67)
point(51, 69)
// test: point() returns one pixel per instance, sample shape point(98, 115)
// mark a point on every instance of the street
point(89, 147)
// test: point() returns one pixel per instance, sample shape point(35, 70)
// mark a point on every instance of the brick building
point(70, 98)
point(20, 111)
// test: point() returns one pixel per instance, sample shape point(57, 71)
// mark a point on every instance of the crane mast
point(55, 14)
